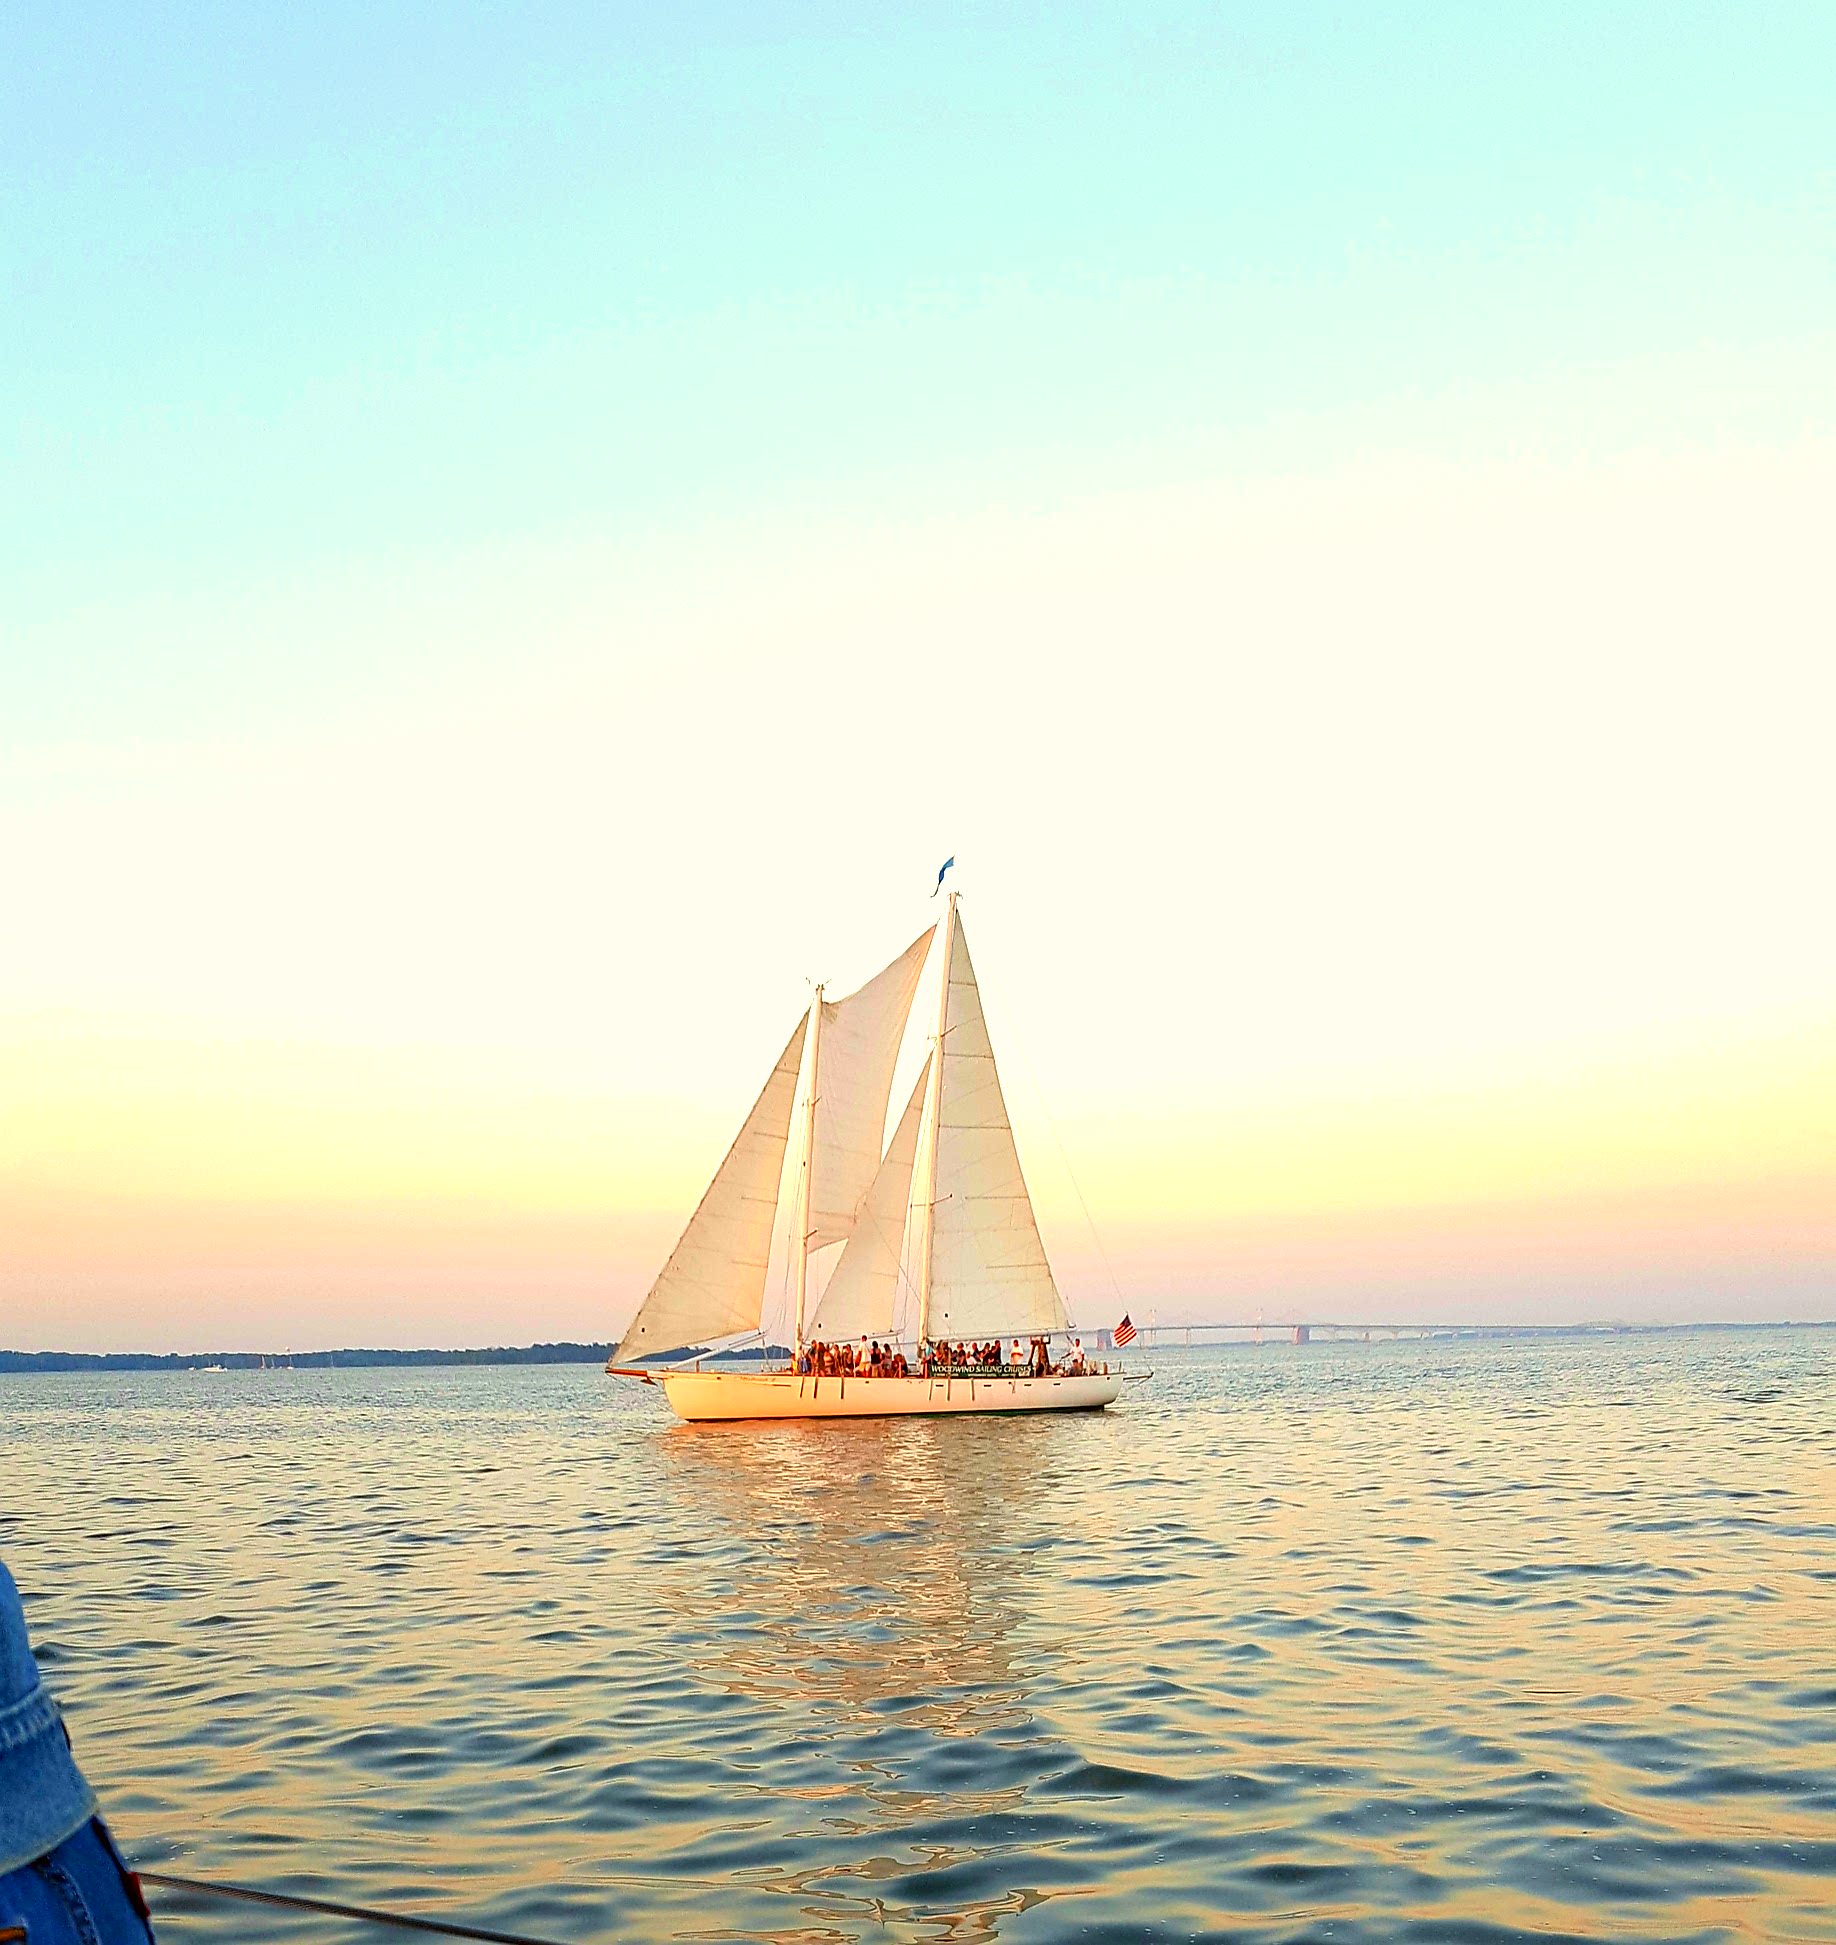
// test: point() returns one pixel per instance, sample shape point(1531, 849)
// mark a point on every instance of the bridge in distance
point(1327, 1331)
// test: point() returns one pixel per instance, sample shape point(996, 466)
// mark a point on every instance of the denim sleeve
point(43, 1797)
point(78, 1894)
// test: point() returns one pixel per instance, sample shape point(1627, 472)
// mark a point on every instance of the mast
point(936, 1110)
point(809, 1153)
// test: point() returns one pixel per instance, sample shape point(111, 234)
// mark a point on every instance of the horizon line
point(580, 1350)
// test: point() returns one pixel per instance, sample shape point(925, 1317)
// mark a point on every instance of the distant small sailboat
point(938, 1230)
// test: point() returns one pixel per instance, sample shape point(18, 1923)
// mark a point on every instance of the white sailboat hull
point(701, 1395)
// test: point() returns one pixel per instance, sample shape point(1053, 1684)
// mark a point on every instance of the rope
point(365, 1914)
point(1077, 1188)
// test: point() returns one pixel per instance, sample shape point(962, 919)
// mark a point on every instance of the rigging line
point(1077, 1188)
point(366, 1914)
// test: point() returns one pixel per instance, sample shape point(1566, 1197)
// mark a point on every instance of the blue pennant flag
point(936, 888)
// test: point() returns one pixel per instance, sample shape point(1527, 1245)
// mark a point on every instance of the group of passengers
point(869, 1360)
point(941, 1358)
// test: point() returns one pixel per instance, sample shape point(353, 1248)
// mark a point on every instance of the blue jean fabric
point(43, 1797)
point(77, 1894)
point(62, 1882)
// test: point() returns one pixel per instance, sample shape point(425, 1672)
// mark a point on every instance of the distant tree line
point(565, 1353)
point(298, 1360)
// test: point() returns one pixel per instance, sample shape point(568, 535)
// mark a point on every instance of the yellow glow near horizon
point(279, 1168)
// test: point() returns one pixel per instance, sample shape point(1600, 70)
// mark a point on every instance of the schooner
point(937, 1231)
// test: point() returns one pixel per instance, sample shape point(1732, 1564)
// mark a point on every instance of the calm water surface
point(1407, 1641)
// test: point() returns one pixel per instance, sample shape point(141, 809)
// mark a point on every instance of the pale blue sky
point(295, 290)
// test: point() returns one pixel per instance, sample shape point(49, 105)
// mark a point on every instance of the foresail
point(989, 1274)
point(863, 1294)
point(714, 1282)
point(855, 1060)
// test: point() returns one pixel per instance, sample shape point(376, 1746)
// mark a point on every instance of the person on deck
point(62, 1881)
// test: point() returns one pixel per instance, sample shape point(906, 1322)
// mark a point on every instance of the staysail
point(860, 1045)
point(863, 1293)
point(987, 1267)
point(714, 1282)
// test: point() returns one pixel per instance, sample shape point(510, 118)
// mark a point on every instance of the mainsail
point(987, 1268)
point(714, 1282)
point(858, 1047)
point(863, 1293)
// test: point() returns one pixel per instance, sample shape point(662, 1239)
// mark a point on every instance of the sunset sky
point(530, 533)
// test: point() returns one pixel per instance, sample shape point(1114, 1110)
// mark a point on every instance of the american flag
point(1124, 1333)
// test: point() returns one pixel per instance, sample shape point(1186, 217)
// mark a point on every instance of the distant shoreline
point(565, 1353)
point(346, 1360)
point(23, 1362)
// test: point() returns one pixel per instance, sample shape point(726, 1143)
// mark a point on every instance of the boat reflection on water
point(887, 1604)
point(889, 1574)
